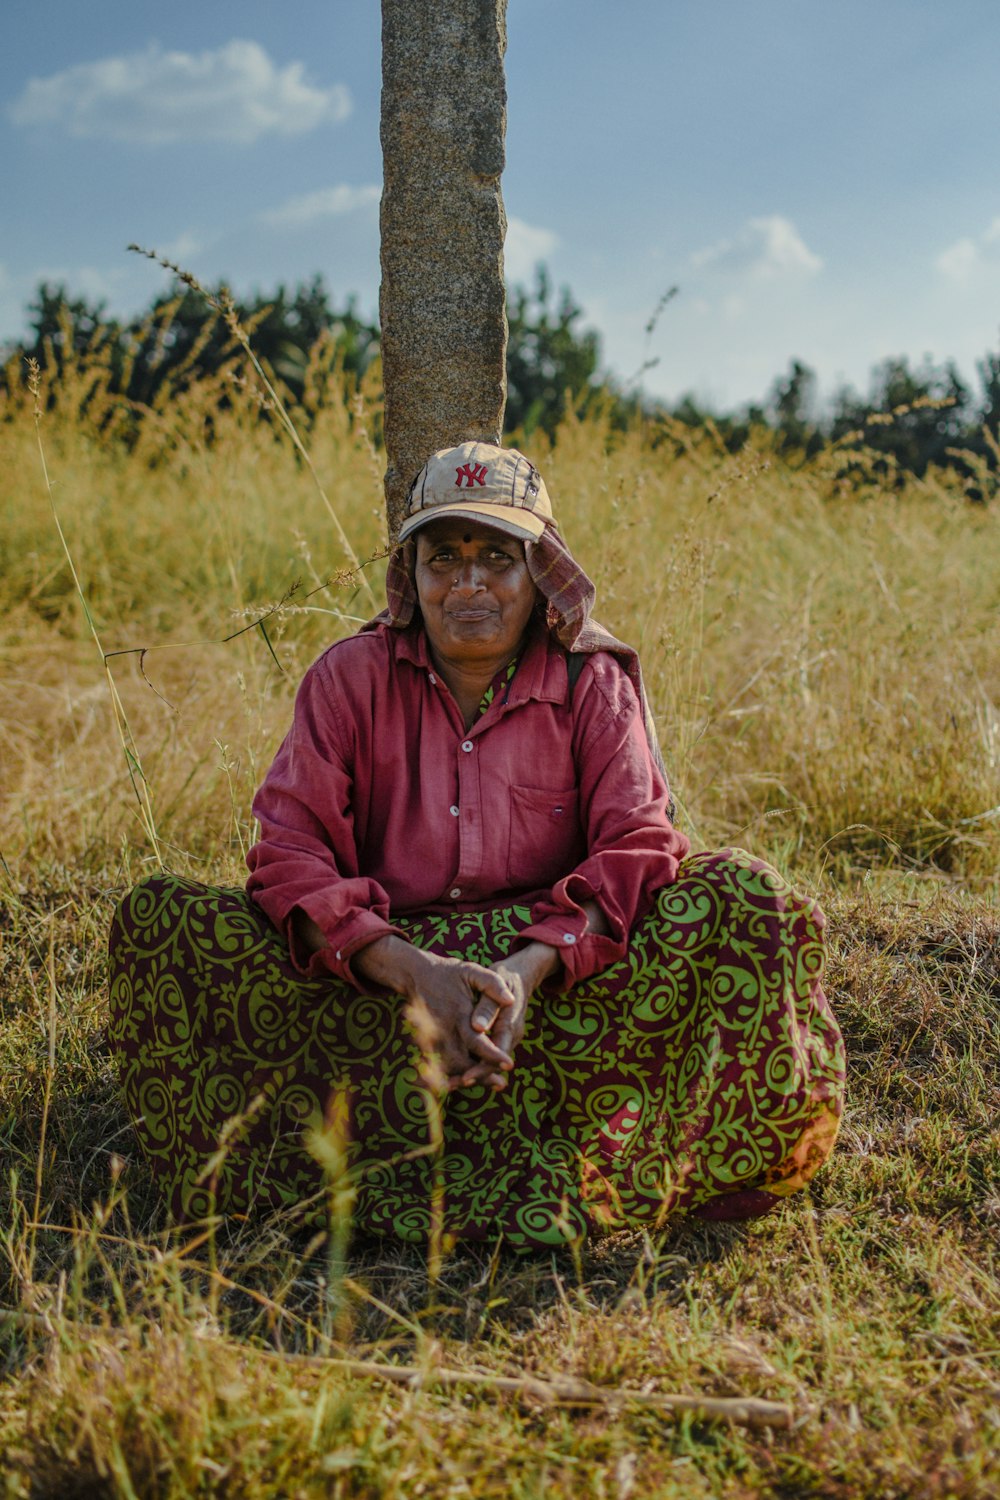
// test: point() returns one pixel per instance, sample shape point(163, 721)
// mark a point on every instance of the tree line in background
point(912, 416)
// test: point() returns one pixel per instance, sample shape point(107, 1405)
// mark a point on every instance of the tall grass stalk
point(137, 777)
point(227, 310)
point(50, 1070)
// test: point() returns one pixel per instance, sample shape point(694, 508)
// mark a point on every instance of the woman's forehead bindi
point(448, 530)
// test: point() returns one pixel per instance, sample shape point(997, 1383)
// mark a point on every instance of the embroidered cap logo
point(473, 474)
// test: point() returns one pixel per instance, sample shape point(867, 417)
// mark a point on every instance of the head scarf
point(569, 598)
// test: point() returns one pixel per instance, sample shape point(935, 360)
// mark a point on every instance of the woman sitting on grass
point(468, 886)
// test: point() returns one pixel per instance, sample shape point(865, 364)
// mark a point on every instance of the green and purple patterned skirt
point(702, 1073)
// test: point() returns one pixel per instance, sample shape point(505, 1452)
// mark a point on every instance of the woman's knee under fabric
point(704, 1066)
point(748, 952)
point(722, 983)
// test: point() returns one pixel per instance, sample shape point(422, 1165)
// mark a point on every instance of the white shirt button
point(455, 892)
point(453, 810)
point(432, 678)
point(568, 937)
point(466, 746)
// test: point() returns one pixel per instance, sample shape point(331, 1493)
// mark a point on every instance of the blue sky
point(820, 178)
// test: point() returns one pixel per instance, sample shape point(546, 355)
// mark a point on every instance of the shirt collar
point(541, 673)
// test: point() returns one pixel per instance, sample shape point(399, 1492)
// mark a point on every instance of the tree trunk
point(442, 303)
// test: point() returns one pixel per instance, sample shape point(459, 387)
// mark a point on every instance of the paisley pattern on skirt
point(703, 1072)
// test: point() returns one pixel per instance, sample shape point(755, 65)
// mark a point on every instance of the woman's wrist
point(391, 962)
point(597, 922)
point(535, 962)
point(308, 934)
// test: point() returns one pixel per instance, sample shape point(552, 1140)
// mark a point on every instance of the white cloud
point(235, 93)
point(182, 249)
point(526, 245)
point(769, 247)
point(325, 203)
point(960, 261)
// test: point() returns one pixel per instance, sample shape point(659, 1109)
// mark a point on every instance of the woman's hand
point(470, 1016)
point(443, 995)
point(522, 972)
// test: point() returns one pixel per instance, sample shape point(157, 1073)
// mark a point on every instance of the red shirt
point(379, 802)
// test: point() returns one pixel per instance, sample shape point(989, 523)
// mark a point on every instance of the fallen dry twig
point(550, 1390)
point(564, 1390)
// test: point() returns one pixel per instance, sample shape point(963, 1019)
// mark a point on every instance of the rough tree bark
point(442, 304)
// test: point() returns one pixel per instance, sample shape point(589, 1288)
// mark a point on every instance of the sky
point(820, 179)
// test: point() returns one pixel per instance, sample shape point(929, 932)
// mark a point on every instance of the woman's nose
point(469, 578)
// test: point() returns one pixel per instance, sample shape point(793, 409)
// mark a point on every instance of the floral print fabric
point(703, 1071)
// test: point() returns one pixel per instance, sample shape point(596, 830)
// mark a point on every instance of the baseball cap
point(479, 482)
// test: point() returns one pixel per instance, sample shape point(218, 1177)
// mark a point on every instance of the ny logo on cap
point(473, 474)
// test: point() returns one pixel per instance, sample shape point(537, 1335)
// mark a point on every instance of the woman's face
point(475, 591)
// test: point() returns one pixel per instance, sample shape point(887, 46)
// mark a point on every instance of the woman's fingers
point(503, 1034)
point(481, 1073)
point(495, 994)
point(496, 997)
point(485, 1014)
point(461, 1003)
point(486, 1048)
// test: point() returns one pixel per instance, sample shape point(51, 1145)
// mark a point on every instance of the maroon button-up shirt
point(379, 802)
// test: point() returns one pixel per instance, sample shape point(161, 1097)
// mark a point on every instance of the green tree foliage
point(912, 417)
point(915, 417)
point(64, 328)
point(549, 358)
point(181, 338)
point(790, 410)
point(793, 409)
point(182, 335)
point(56, 318)
point(989, 413)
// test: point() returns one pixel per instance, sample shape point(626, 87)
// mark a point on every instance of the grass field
point(824, 662)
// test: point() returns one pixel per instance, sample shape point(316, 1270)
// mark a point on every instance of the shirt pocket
point(546, 841)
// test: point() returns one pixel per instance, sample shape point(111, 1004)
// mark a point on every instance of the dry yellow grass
point(824, 668)
point(825, 671)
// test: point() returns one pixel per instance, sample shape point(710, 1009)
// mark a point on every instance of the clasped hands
point(468, 1016)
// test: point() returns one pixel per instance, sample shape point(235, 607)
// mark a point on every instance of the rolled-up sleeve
point(633, 848)
point(306, 858)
